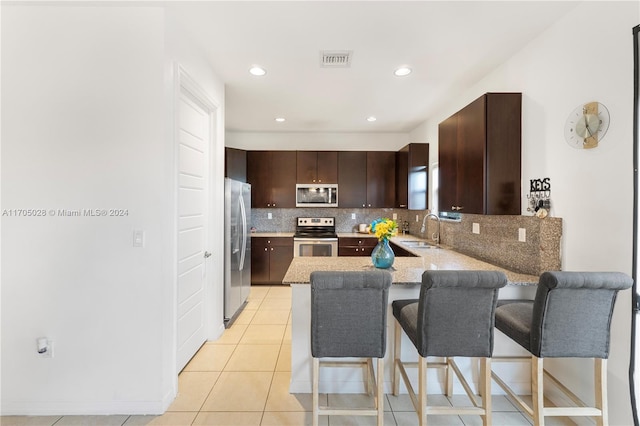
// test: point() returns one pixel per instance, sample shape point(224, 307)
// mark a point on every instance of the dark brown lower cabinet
point(351, 246)
point(270, 259)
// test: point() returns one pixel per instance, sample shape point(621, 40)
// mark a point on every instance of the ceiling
point(450, 45)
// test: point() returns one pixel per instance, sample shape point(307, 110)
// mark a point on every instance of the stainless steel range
point(315, 236)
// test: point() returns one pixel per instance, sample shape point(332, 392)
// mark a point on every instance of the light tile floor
point(243, 379)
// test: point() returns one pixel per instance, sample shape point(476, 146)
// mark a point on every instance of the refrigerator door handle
point(244, 232)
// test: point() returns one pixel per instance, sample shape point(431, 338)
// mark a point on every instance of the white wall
point(83, 107)
point(312, 141)
point(592, 190)
point(88, 123)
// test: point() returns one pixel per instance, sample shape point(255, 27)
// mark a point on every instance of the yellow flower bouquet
point(384, 228)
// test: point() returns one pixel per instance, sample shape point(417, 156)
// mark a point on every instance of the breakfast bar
point(406, 280)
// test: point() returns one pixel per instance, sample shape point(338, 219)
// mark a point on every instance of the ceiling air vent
point(335, 58)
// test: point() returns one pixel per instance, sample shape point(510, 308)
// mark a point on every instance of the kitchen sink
point(418, 244)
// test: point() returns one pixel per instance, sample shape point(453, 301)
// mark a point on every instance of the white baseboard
point(98, 408)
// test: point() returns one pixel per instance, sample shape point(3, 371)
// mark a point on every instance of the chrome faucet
point(424, 227)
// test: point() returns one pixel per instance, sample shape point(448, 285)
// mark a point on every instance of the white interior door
point(194, 129)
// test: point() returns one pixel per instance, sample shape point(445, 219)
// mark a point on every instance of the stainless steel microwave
point(314, 195)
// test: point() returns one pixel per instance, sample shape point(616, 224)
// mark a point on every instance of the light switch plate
point(269, 216)
point(475, 228)
point(138, 238)
point(353, 215)
point(522, 235)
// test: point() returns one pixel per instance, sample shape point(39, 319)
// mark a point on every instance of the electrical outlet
point(475, 228)
point(522, 235)
point(417, 218)
point(269, 216)
point(395, 216)
point(353, 215)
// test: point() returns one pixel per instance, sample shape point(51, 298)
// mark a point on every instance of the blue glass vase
point(382, 255)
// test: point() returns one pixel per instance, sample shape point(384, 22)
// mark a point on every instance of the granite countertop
point(405, 270)
point(355, 235)
point(290, 234)
point(272, 234)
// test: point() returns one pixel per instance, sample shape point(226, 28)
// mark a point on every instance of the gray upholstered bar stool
point(454, 317)
point(569, 318)
point(349, 320)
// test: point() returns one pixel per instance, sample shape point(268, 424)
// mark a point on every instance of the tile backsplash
point(284, 220)
point(497, 241)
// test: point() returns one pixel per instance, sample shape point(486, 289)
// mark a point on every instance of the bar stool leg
point(380, 392)
point(397, 346)
point(315, 397)
point(368, 380)
point(485, 386)
point(537, 373)
point(422, 390)
point(448, 374)
point(600, 383)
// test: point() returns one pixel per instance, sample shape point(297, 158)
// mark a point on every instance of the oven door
point(327, 247)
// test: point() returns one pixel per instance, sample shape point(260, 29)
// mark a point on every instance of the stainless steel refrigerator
point(237, 252)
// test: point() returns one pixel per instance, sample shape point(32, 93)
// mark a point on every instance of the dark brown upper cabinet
point(366, 179)
point(317, 167)
point(412, 177)
point(381, 179)
point(479, 157)
point(352, 179)
point(235, 164)
point(272, 175)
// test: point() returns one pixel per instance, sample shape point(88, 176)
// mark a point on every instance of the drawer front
point(354, 251)
point(282, 242)
point(355, 241)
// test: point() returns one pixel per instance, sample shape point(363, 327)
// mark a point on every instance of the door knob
point(207, 254)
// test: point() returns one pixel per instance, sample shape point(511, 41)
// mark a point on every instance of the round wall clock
point(587, 125)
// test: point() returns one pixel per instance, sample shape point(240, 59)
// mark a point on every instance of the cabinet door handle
point(364, 205)
point(319, 180)
point(268, 204)
point(369, 205)
point(271, 248)
point(265, 249)
point(274, 204)
point(403, 205)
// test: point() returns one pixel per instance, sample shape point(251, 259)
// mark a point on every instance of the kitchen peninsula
point(406, 279)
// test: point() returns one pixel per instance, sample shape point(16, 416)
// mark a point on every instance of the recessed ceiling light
point(371, 119)
point(280, 119)
point(257, 71)
point(402, 71)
